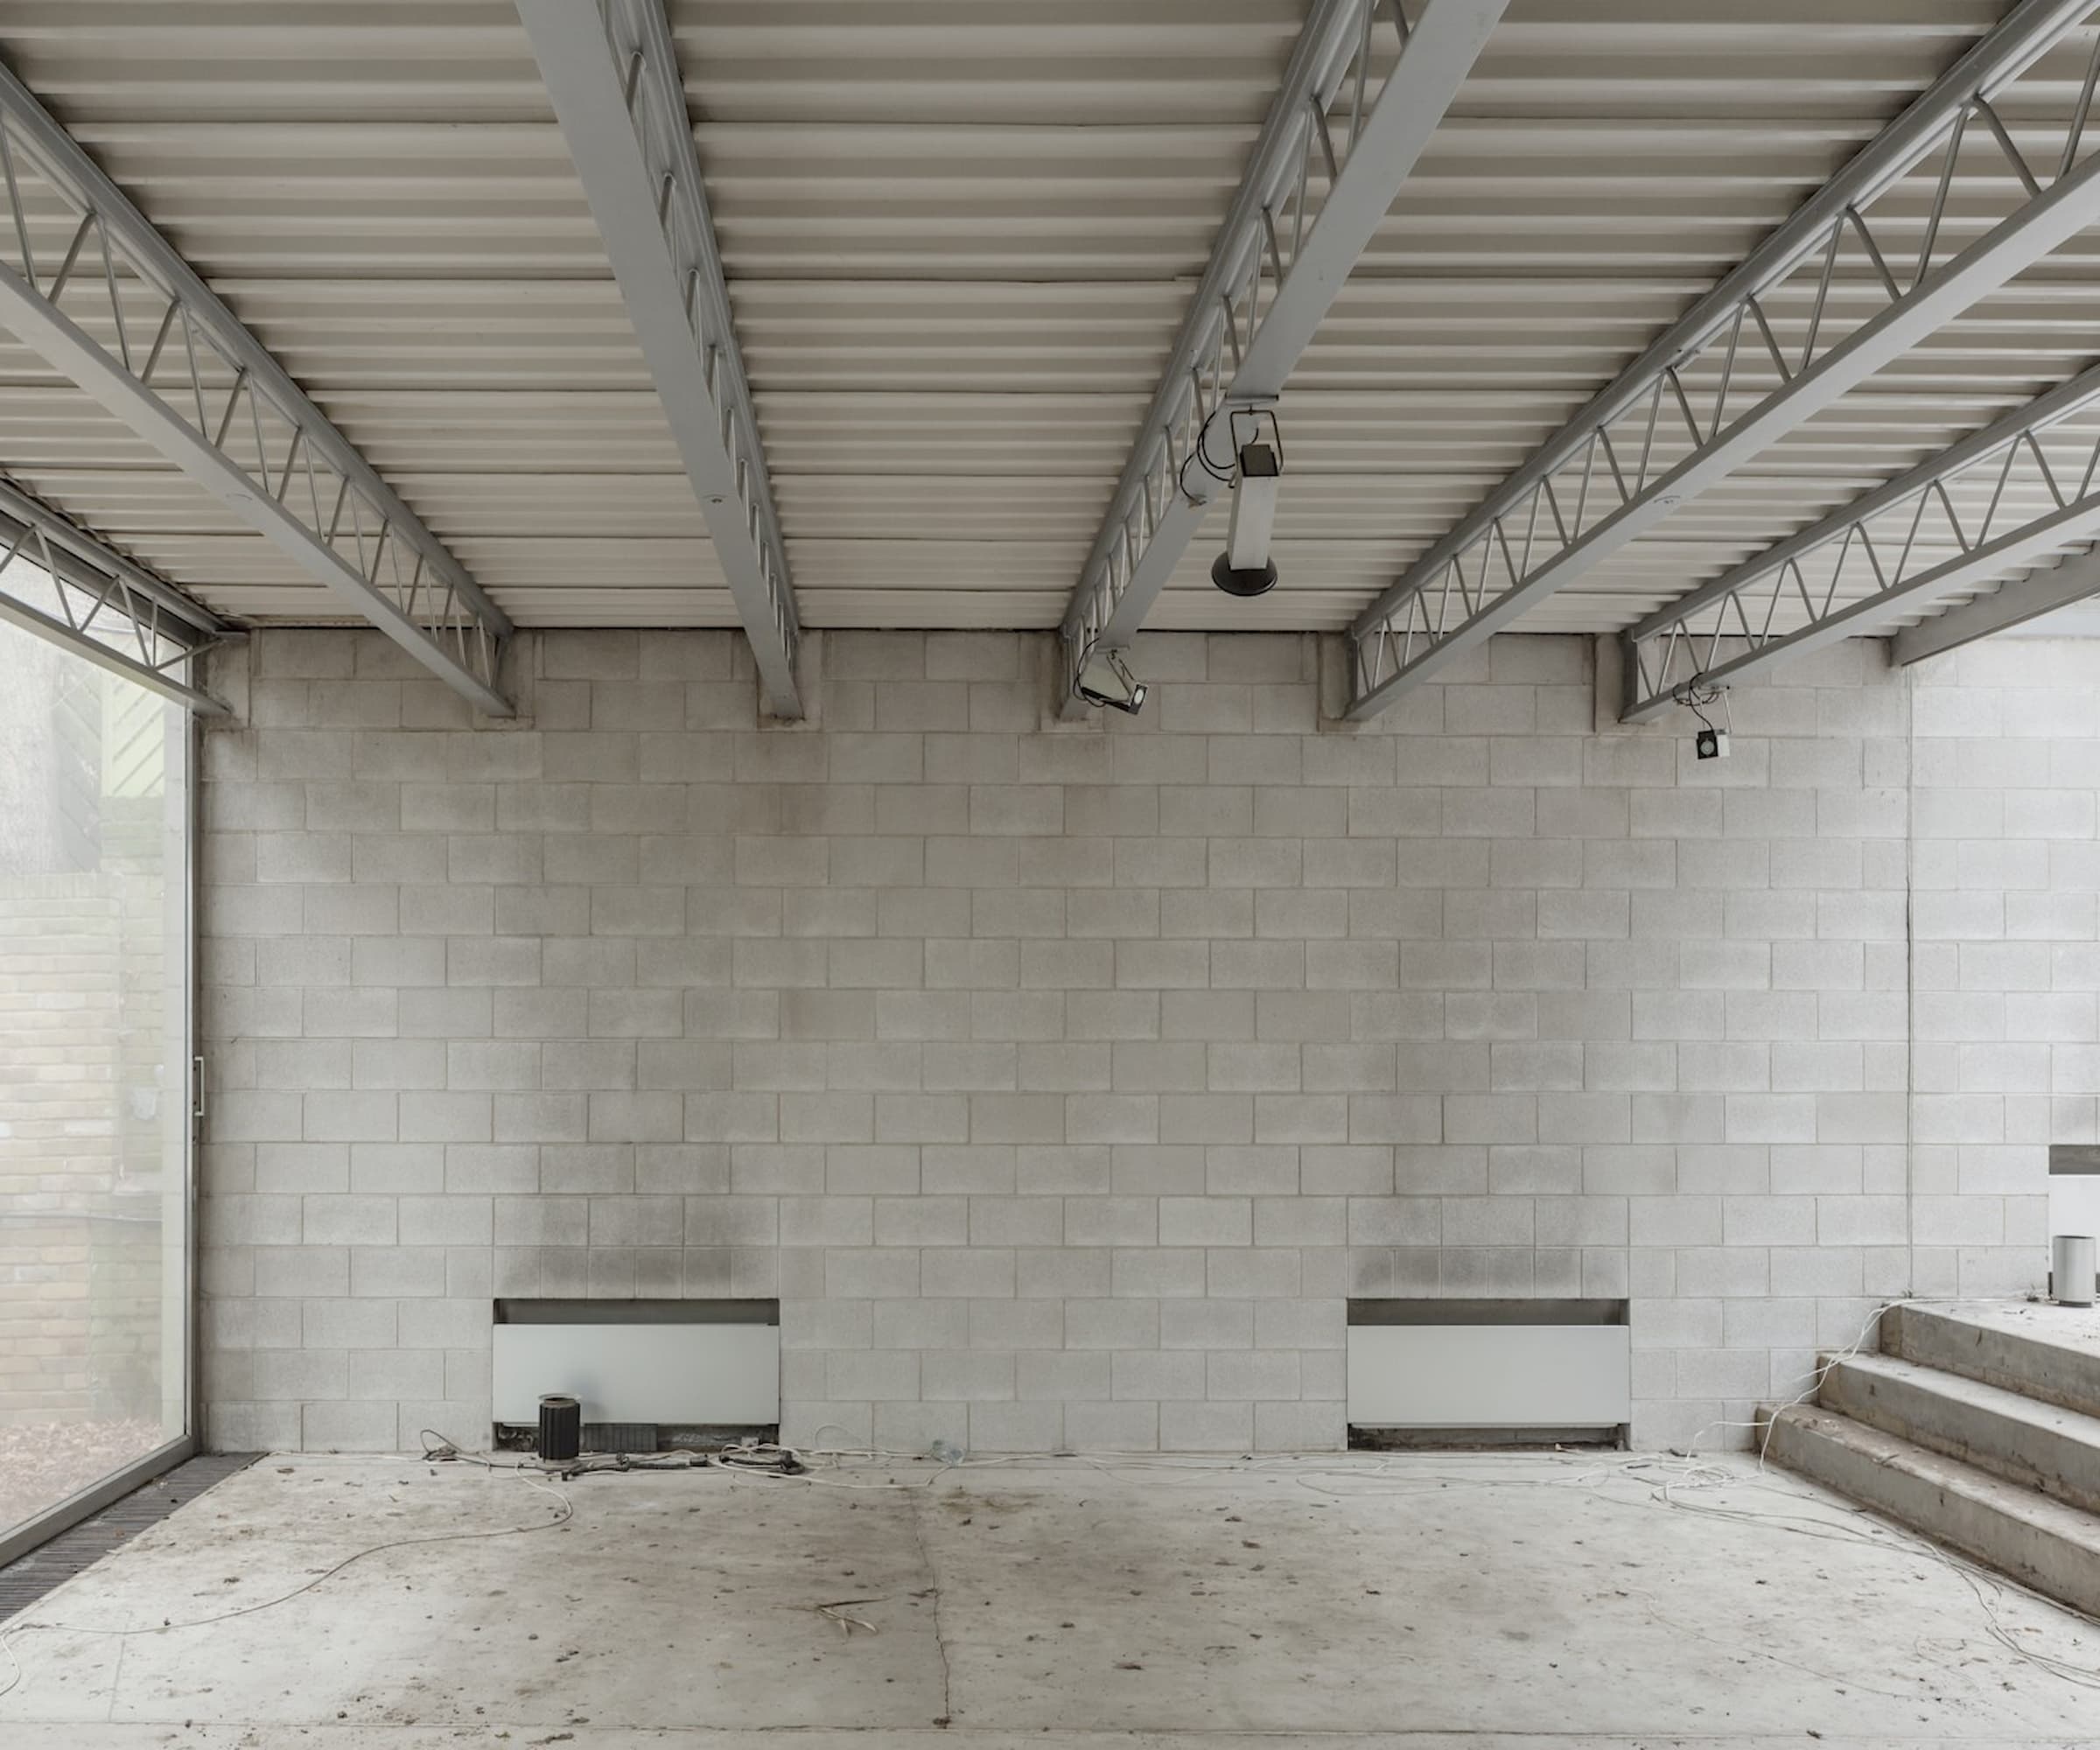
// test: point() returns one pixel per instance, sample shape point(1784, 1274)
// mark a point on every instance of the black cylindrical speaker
point(560, 1429)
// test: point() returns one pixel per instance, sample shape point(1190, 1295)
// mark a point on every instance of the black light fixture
point(1105, 679)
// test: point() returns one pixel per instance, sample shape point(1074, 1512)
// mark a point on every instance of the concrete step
point(2043, 1543)
point(2049, 1352)
point(2039, 1446)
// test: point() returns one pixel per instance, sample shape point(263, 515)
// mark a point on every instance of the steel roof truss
point(70, 588)
point(1990, 504)
point(1338, 142)
point(2070, 580)
point(206, 396)
point(1728, 411)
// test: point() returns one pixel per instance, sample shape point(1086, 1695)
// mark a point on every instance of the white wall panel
point(1501, 1376)
point(684, 1374)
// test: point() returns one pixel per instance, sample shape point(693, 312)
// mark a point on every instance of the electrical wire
point(1679, 1473)
point(1695, 695)
point(566, 1513)
point(1664, 1483)
point(1988, 1590)
point(1199, 453)
point(1830, 1363)
point(1666, 1480)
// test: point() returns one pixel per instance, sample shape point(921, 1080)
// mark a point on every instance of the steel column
point(1280, 258)
point(613, 75)
point(168, 358)
point(1668, 427)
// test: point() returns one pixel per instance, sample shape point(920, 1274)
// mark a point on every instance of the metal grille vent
point(49, 1567)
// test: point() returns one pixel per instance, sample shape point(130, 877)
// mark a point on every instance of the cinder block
point(1079, 1058)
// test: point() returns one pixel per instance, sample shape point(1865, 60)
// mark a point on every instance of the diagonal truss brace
point(1953, 523)
point(612, 73)
point(75, 590)
point(2073, 579)
point(1721, 385)
point(1337, 143)
point(90, 286)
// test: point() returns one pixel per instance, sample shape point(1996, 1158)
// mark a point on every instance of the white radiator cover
point(676, 1374)
point(2073, 1204)
point(1498, 1375)
point(2073, 1188)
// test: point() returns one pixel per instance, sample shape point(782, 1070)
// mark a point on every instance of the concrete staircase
point(1978, 1424)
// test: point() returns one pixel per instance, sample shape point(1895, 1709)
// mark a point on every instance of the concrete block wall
point(2005, 913)
point(1064, 1083)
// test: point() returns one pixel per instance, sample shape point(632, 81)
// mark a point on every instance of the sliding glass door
point(95, 1054)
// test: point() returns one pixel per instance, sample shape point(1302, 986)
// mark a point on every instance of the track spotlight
point(1710, 741)
point(1105, 679)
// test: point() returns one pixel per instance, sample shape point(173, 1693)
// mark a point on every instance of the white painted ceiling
point(959, 235)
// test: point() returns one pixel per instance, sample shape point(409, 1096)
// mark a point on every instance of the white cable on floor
point(567, 1513)
point(1369, 1473)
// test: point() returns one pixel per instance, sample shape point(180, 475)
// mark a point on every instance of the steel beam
point(613, 75)
point(73, 590)
point(1280, 257)
point(1717, 388)
point(205, 394)
point(1951, 523)
point(2072, 579)
point(163, 678)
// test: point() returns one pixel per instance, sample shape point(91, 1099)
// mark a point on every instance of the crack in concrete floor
point(933, 1576)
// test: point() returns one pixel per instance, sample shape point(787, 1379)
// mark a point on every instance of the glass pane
point(94, 1025)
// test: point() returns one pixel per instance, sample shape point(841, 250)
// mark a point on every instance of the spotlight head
point(1710, 740)
point(1105, 679)
point(1244, 568)
point(1235, 582)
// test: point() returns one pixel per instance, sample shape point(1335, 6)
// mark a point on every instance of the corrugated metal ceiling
point(959, 235)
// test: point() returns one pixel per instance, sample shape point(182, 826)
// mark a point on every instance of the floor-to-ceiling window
point(94, 978)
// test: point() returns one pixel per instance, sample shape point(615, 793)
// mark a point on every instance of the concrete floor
point(1424, 1603)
